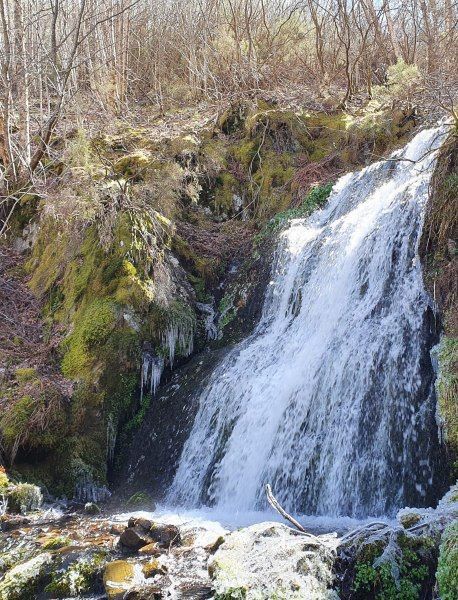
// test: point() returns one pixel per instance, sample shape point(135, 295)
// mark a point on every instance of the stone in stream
point(152, 568)
point(142, 532)
point(270, 560)
point(117, 578)
point(91, 508)
point(150, 550)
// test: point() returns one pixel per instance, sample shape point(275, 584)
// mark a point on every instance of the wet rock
point(118, 578)
point(134, 538)
point(8, 523)
point(165, 535)
point(142, 532)
point(269, 560)
point(151, 550)
point(140, 522)
point(91, 508)
point(152, 568)
point(21, 581)
point(148, 592)
point(214, 547)
point(78, 574)
point(195, 591)
point(409, 519)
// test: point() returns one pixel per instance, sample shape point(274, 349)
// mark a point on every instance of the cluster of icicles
point(177, 336)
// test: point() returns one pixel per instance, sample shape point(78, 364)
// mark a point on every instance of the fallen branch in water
point(276, 505)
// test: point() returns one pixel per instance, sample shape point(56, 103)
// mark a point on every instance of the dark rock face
point(157, 445)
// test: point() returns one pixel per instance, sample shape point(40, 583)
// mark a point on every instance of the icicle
point(151, 372)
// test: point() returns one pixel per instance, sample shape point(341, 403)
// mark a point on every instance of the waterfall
point(331, 399)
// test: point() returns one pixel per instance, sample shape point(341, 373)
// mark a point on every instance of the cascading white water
point(326, 400)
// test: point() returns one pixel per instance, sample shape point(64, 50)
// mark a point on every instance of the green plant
point(447, 570)
point(314, 200)
point(379, 582)
point(26, 374)
point(24, 498)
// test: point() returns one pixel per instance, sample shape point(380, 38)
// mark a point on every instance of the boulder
point(140, 522)
point(134, 538)
point(21, 581)
point(118, 578)
point(165, 535)
point(153, 567)
point(150, 550)
point(24, 497)
point(270, 560)
point(143, 532)
point(91, 508)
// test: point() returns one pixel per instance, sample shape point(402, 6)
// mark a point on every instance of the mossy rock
point(55, 543)
point(409, 519)
point(233, 118)
point(77, 578)
point(141, 500)
point(22, 581)
point(117, 578)
point(24, 497)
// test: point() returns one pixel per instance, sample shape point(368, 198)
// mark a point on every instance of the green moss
point(377, 579)
point(379, 583)
point(246, 153)
point(23, 580)
point(133, 165)
point(140, 500)
point(48, 258)
point(26, 374)
point(447, 571)
point(314, 200)
point(226, 187)
point(14, 421)
point(56, 543)
point(447, 392)
point(4, 480)
point(24, 497)
point(227, 310)
point(91, 331)
point(80, 577)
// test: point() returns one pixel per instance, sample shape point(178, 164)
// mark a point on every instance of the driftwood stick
point(276, 505)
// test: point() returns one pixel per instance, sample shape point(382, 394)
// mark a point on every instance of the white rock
point(270, 560)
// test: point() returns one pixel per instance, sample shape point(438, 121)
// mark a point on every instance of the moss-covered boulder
point(77, 576)
point(24, 497)
point(22, 581)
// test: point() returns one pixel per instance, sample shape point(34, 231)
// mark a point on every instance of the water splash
point(331, 398)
